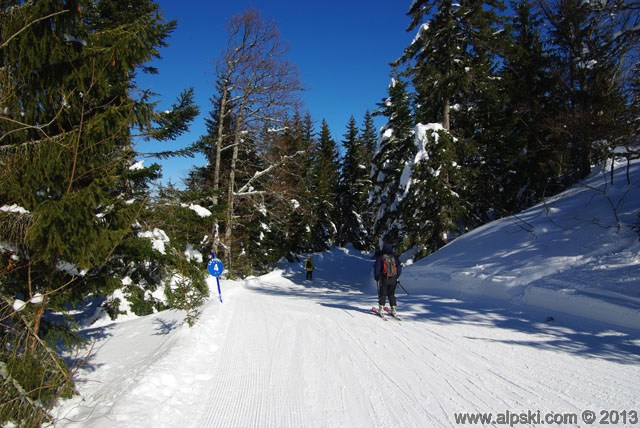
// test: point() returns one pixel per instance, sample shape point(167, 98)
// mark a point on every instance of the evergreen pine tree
point(452, 55)
point(528, 85)
point(353, 189)
point(369, 139)
point(589, 45)
point(395, 149)
point(325, 173)
point(438, 72)
point(432, 209)
point(291, 182)
point(453, 63)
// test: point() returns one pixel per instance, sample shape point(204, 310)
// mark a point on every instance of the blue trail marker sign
point(216, 268)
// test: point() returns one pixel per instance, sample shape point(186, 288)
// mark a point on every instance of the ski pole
point(405, 290)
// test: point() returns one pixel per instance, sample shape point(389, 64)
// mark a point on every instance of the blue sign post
point(215, 268)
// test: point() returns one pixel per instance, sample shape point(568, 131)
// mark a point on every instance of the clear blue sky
point(342, 49)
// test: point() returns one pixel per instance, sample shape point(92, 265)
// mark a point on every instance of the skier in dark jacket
point(386, 271)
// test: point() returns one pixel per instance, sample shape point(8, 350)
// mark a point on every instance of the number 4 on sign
point(216, 268)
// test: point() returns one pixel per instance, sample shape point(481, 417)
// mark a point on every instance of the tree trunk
point(228, 233)
point(216, 171)
point(446, 120)
point(215, 236)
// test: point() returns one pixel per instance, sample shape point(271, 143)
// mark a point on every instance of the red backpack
point(389, 268)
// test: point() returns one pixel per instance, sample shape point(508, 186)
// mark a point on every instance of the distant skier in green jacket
point(308, 266)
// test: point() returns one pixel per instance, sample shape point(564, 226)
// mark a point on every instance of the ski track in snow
point(321, 360)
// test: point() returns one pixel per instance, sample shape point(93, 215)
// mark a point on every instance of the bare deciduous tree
point(258, 86)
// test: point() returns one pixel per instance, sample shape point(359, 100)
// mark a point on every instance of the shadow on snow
point(559, 333)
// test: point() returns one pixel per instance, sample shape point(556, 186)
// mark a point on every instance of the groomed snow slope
point(277, 354)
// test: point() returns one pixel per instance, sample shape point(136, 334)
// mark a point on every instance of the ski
point(387, 310)
point(378, 313)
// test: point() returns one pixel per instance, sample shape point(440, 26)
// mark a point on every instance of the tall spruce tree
point(369, 139)
point(394, 150)
point(528, 84)
point(353, 190)
point(590, 42)
point(369, 136)
point(324, 189)
point(65, 157)
point(291, 183)
point(438, 72)
point(452, 56)
point(453, 64)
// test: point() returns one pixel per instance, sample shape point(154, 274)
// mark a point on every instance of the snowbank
point(576, 253)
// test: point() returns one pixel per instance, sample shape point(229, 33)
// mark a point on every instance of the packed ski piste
point(531, 320)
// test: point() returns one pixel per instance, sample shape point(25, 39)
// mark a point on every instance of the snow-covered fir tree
point(431, 207)
point(394, 150)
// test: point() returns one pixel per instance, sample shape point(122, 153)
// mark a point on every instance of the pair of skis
point(382, 315)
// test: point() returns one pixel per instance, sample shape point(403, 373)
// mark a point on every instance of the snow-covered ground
point(537, 314)
point(575, 253)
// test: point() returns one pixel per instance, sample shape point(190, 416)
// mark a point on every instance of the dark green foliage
point(68, 95)
point(172, 123)
point(453, 66)
point(353, 189)
point(32, 375)
point(187, 289)
point(453, 56)
point(112, 308)
point(292, 183)
point(534, 158)
point(325, 173)
point(149, 269)
point(588, 52)
point(63, 143)
point(369, 137)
